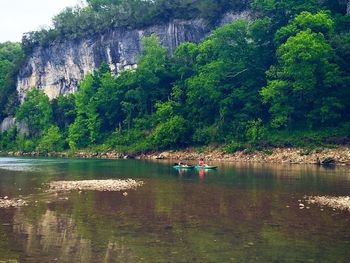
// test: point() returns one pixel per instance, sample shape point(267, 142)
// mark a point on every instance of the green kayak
point(206, 167)
point(183, 166)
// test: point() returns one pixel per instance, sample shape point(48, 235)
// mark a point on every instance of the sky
point(20, 16)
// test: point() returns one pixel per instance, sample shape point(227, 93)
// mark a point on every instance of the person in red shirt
point(201, 162)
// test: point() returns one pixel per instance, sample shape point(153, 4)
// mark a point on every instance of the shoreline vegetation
point(320, 156)
point(279, 80)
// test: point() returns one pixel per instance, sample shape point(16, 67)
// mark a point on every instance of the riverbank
point(327, 156)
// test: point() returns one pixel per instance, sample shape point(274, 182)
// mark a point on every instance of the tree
point(320, 22)
point(303, 85)
point(150, 73)
point(11, 55)
point(36, 111)
point(64, 111)
point(86, 103)
point(52, 140)
point(230, 66)
point(174, 132)
point(78, 134)
point(281, 11)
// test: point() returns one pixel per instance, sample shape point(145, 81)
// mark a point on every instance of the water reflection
point(235, 214)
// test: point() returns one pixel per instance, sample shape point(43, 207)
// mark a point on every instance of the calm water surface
point(239, 213)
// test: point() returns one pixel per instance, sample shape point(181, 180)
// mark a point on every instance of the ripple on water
point(19, 168)
point(18, 165)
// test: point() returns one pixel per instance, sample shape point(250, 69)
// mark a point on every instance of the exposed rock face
point(348, 8)
point(58, 68)
point(9, 122)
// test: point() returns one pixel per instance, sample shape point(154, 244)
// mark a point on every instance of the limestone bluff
point(58, 67)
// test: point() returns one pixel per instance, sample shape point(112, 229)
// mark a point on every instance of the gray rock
point(9, 122)
point(329, 161)
point(58, 68)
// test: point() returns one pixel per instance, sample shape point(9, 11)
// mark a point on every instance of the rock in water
point(329, 161)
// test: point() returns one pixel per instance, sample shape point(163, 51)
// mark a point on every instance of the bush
point(24, 144)
point(172, 133)
point(51, 141)
point(234, 147)
point(204, 135)
point(255, 131)
point(7, 139)
point(78, 134)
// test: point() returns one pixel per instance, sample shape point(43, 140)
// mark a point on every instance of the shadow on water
point(237, 213)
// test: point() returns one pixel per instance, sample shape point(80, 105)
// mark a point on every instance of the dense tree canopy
point(288, 70)
point(36, 111)
point(10, 56)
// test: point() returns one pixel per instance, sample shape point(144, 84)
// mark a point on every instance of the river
point(237, 213)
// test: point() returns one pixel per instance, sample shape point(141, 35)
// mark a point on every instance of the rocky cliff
point(59, 67)
point(9, 122)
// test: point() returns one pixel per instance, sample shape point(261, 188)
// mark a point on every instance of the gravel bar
point(11, 203)
point(94, 185)
point(340, 202)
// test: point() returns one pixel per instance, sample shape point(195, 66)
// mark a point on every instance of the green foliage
point(36, 111)
point(151, 70)
point(78, 134)
point(279, 80)
point(308, 138)
point(281, 11)
point(94, 101)
point(223, 92)
point(25, 144)
point(64, 110)
point(321, 22)
point(7, 139)
point(171, 133)
point(51, 141)
point(304, 88)
point(233, 147)
point(205, 135)
point(11, 55)
point(255, 131)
